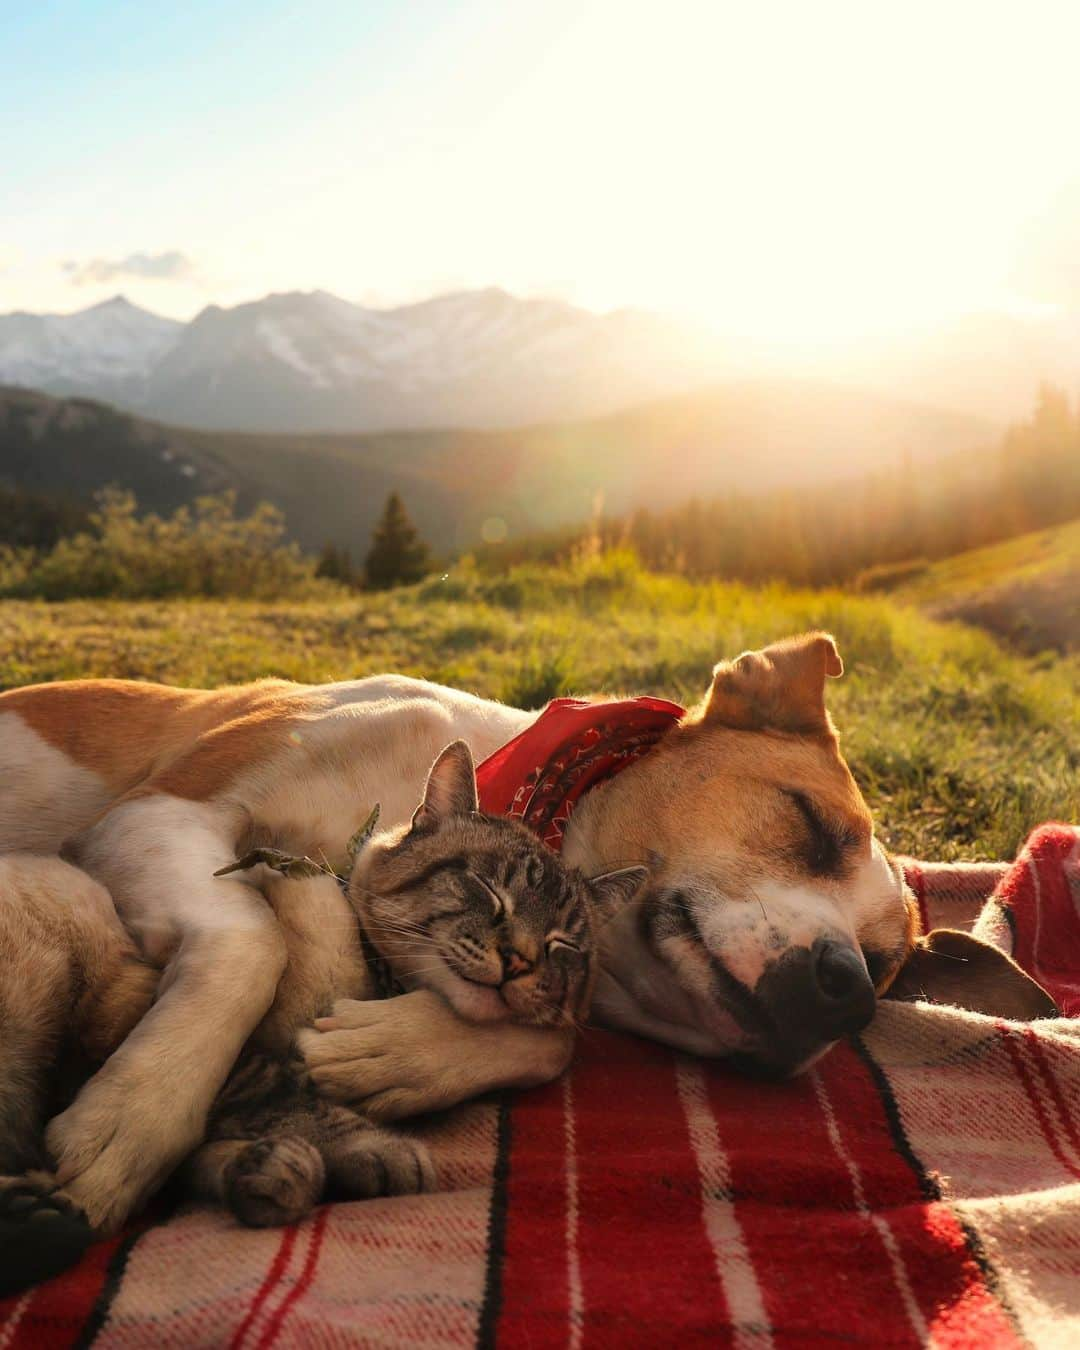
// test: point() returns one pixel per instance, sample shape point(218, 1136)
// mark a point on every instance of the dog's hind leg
point(70, 980)
point(70, 984)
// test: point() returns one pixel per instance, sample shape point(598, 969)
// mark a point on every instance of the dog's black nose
point(811, 996)
point(845, 995)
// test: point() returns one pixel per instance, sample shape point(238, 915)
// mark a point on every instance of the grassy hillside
point(960, 747)
point(1026, 590)
point(331, 487)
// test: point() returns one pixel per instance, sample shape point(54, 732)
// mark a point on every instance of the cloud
point(169, 266)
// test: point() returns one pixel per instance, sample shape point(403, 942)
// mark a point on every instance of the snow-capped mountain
point(103, 349)
point(311, 361)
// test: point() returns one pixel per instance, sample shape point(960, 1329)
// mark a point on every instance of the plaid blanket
point(921, 1185)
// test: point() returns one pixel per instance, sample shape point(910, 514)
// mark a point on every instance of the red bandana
point(540, 775)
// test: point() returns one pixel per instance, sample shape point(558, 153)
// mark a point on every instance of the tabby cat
point(471, 906)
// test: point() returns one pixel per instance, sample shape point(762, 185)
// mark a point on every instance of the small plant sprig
point(295, 868)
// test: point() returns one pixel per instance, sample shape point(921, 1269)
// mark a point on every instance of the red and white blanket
point(921, 1186)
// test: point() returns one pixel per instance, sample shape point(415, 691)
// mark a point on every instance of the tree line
point(871, 531)
point(868, 531)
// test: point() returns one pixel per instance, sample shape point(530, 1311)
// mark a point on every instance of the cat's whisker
point(365, 890)
point(391, 926)
point(415, 940)
point(406, 942)
point(399, 921)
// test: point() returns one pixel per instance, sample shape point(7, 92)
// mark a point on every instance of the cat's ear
point(451, 788)
point(612, 890)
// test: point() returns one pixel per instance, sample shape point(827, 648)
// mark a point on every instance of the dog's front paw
point(115, 1144)
point(274, 1181)
point(42, 1231)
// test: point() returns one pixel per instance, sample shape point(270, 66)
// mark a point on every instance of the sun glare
point(783, 172)
point(794, 172)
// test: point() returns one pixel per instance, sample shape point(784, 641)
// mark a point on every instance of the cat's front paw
point(386, 1057)
point(380, 1162)
point(273, 1182)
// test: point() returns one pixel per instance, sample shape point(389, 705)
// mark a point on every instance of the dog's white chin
point(638, 992)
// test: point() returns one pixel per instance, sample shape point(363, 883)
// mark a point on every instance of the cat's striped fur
point(275, 1149)
point(471, 907)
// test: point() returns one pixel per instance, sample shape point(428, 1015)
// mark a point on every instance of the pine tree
point(336, 565)
point(398, 555)
point(329, 565)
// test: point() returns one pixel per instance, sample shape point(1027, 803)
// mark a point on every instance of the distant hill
point(313, 362)
point(747, 436)
point(1026, 590)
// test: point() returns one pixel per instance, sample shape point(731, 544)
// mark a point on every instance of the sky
point(787, 170)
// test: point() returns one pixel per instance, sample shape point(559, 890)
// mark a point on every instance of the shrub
point(205, 550)
point(537, 681)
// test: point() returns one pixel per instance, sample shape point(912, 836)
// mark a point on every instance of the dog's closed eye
point(827, 842)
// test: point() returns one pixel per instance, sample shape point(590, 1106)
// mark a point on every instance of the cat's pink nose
point(514, 964)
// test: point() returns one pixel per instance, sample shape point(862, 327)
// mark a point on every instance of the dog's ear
point(781, 686)
point(451, 788)
point(947, 966)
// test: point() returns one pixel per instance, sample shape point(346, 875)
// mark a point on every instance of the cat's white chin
point(477, 1002)
point(474, 1002)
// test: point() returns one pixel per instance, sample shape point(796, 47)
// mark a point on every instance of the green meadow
point(960, 744)
point(1026, 590)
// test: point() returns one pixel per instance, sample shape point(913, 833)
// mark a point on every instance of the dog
point(770, 922)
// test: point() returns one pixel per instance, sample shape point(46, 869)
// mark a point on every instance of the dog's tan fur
point(73, 986)
point(153, 789)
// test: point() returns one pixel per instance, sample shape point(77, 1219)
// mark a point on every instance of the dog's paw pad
point(41, 1233)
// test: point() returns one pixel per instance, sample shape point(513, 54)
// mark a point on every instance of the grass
point(1026, 590)
point(1024, 558)
point(960, 746)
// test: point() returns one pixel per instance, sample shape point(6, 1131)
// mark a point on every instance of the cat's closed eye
point(498, 905)
point(556, 940)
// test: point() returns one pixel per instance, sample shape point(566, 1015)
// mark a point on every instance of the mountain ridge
point(311, 361)
point(741, 437)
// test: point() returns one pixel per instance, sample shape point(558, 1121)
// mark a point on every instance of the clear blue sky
point(777, 167)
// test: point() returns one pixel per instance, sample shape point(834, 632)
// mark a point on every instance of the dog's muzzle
point(806, 999)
